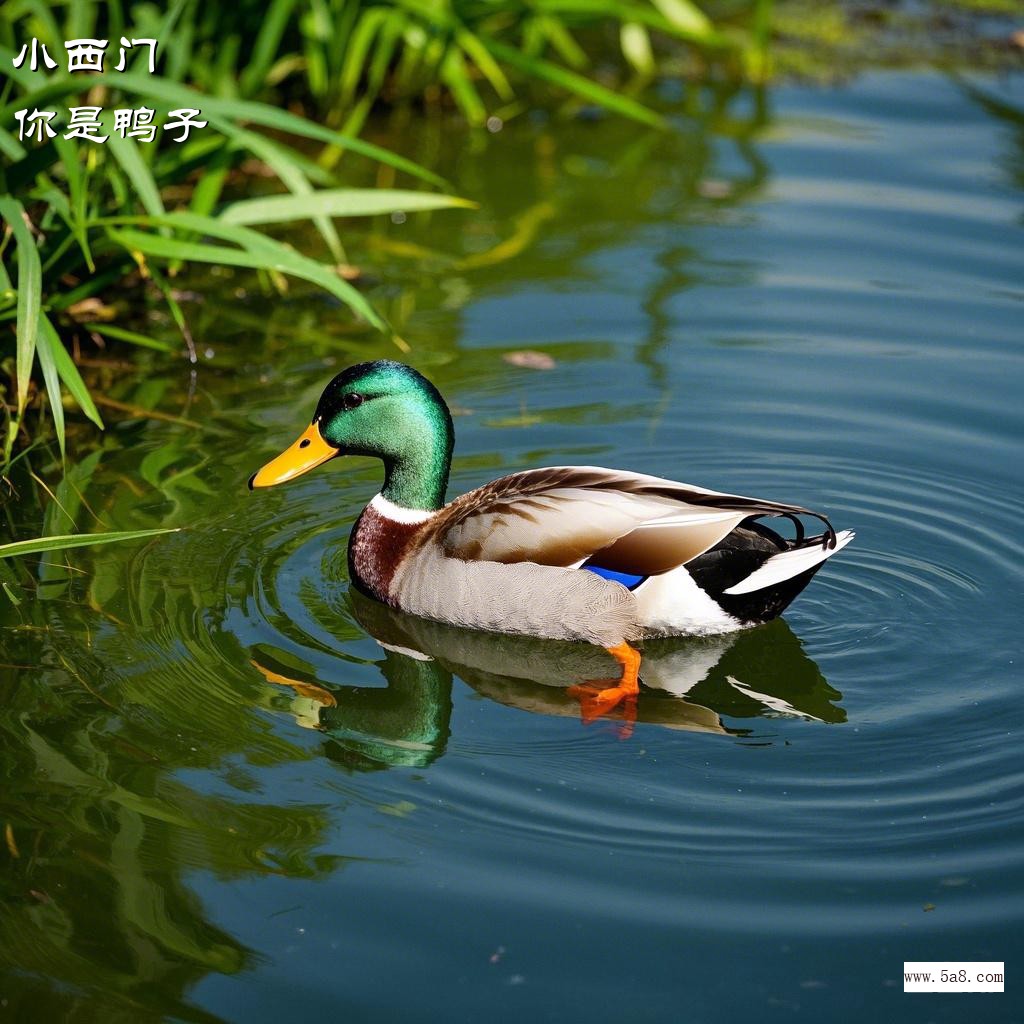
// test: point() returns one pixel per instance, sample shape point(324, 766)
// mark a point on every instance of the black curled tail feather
point(742, 553)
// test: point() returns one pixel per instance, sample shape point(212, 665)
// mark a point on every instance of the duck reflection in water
point(688, 684)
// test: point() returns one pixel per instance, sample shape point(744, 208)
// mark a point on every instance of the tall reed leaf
point(685, 15)
point(270, 255)
point(132, 337)
point(292, 176)
point(73, 380)
point(216, 108)
point(336, 202)
point(30, 285)
point(582, 87)
point(76, 540)
point(47, 342)
point(126, 152)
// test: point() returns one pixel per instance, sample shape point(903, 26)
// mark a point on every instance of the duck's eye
point(350, 401)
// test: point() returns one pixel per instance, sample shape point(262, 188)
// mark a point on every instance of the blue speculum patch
point(628, 580)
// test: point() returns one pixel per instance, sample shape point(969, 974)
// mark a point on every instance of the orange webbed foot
point(597, 701)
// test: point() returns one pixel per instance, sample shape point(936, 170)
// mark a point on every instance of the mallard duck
point(580, 553)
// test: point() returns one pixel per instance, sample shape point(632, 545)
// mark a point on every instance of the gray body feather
point(535, 600)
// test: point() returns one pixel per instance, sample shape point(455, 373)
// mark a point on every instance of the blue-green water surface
point(236, 792)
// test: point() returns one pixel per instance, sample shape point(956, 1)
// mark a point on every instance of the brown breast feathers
point(377, 546)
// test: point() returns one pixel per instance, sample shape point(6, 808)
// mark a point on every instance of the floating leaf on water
point(524, 419)
point(713, 188)
point(530, 359)
point(399, 810)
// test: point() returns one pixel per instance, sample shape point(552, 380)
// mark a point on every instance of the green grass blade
point(45, 18)
point(165, 92)
point(56, 202)
point(270, 255)
point(561, 40)
point(182, 249)
point(636, 47)
point(46, 341)
point(685, 15)
point(74, 383)
point(76, 540)
point(295, 180)
point(11, 147)
point(266, 48)
point(259, 145)
point(168, 27)
point(177, 313)
point(126, 152)
point(759, 59)
point(697, 30)
point(354, 63)
point(44, 96)
point(582, 87)
point(132, 337)
point(256, 113)
point(30, 283)
point(456, 77)
point(338, 202)
point(207, 192)
point(475, 50)
point(78, 194)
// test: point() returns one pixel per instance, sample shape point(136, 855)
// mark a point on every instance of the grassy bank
point(285, 89)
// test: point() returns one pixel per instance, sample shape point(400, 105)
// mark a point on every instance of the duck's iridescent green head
point(386, 410)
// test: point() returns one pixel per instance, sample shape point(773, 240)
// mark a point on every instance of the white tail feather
point(789, 564)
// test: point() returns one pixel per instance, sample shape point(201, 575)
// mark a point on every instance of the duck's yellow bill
point(308, 452)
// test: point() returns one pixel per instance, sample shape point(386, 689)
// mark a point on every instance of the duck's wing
point(567, 515)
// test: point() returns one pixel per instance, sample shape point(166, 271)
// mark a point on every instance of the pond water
point(225, 800)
